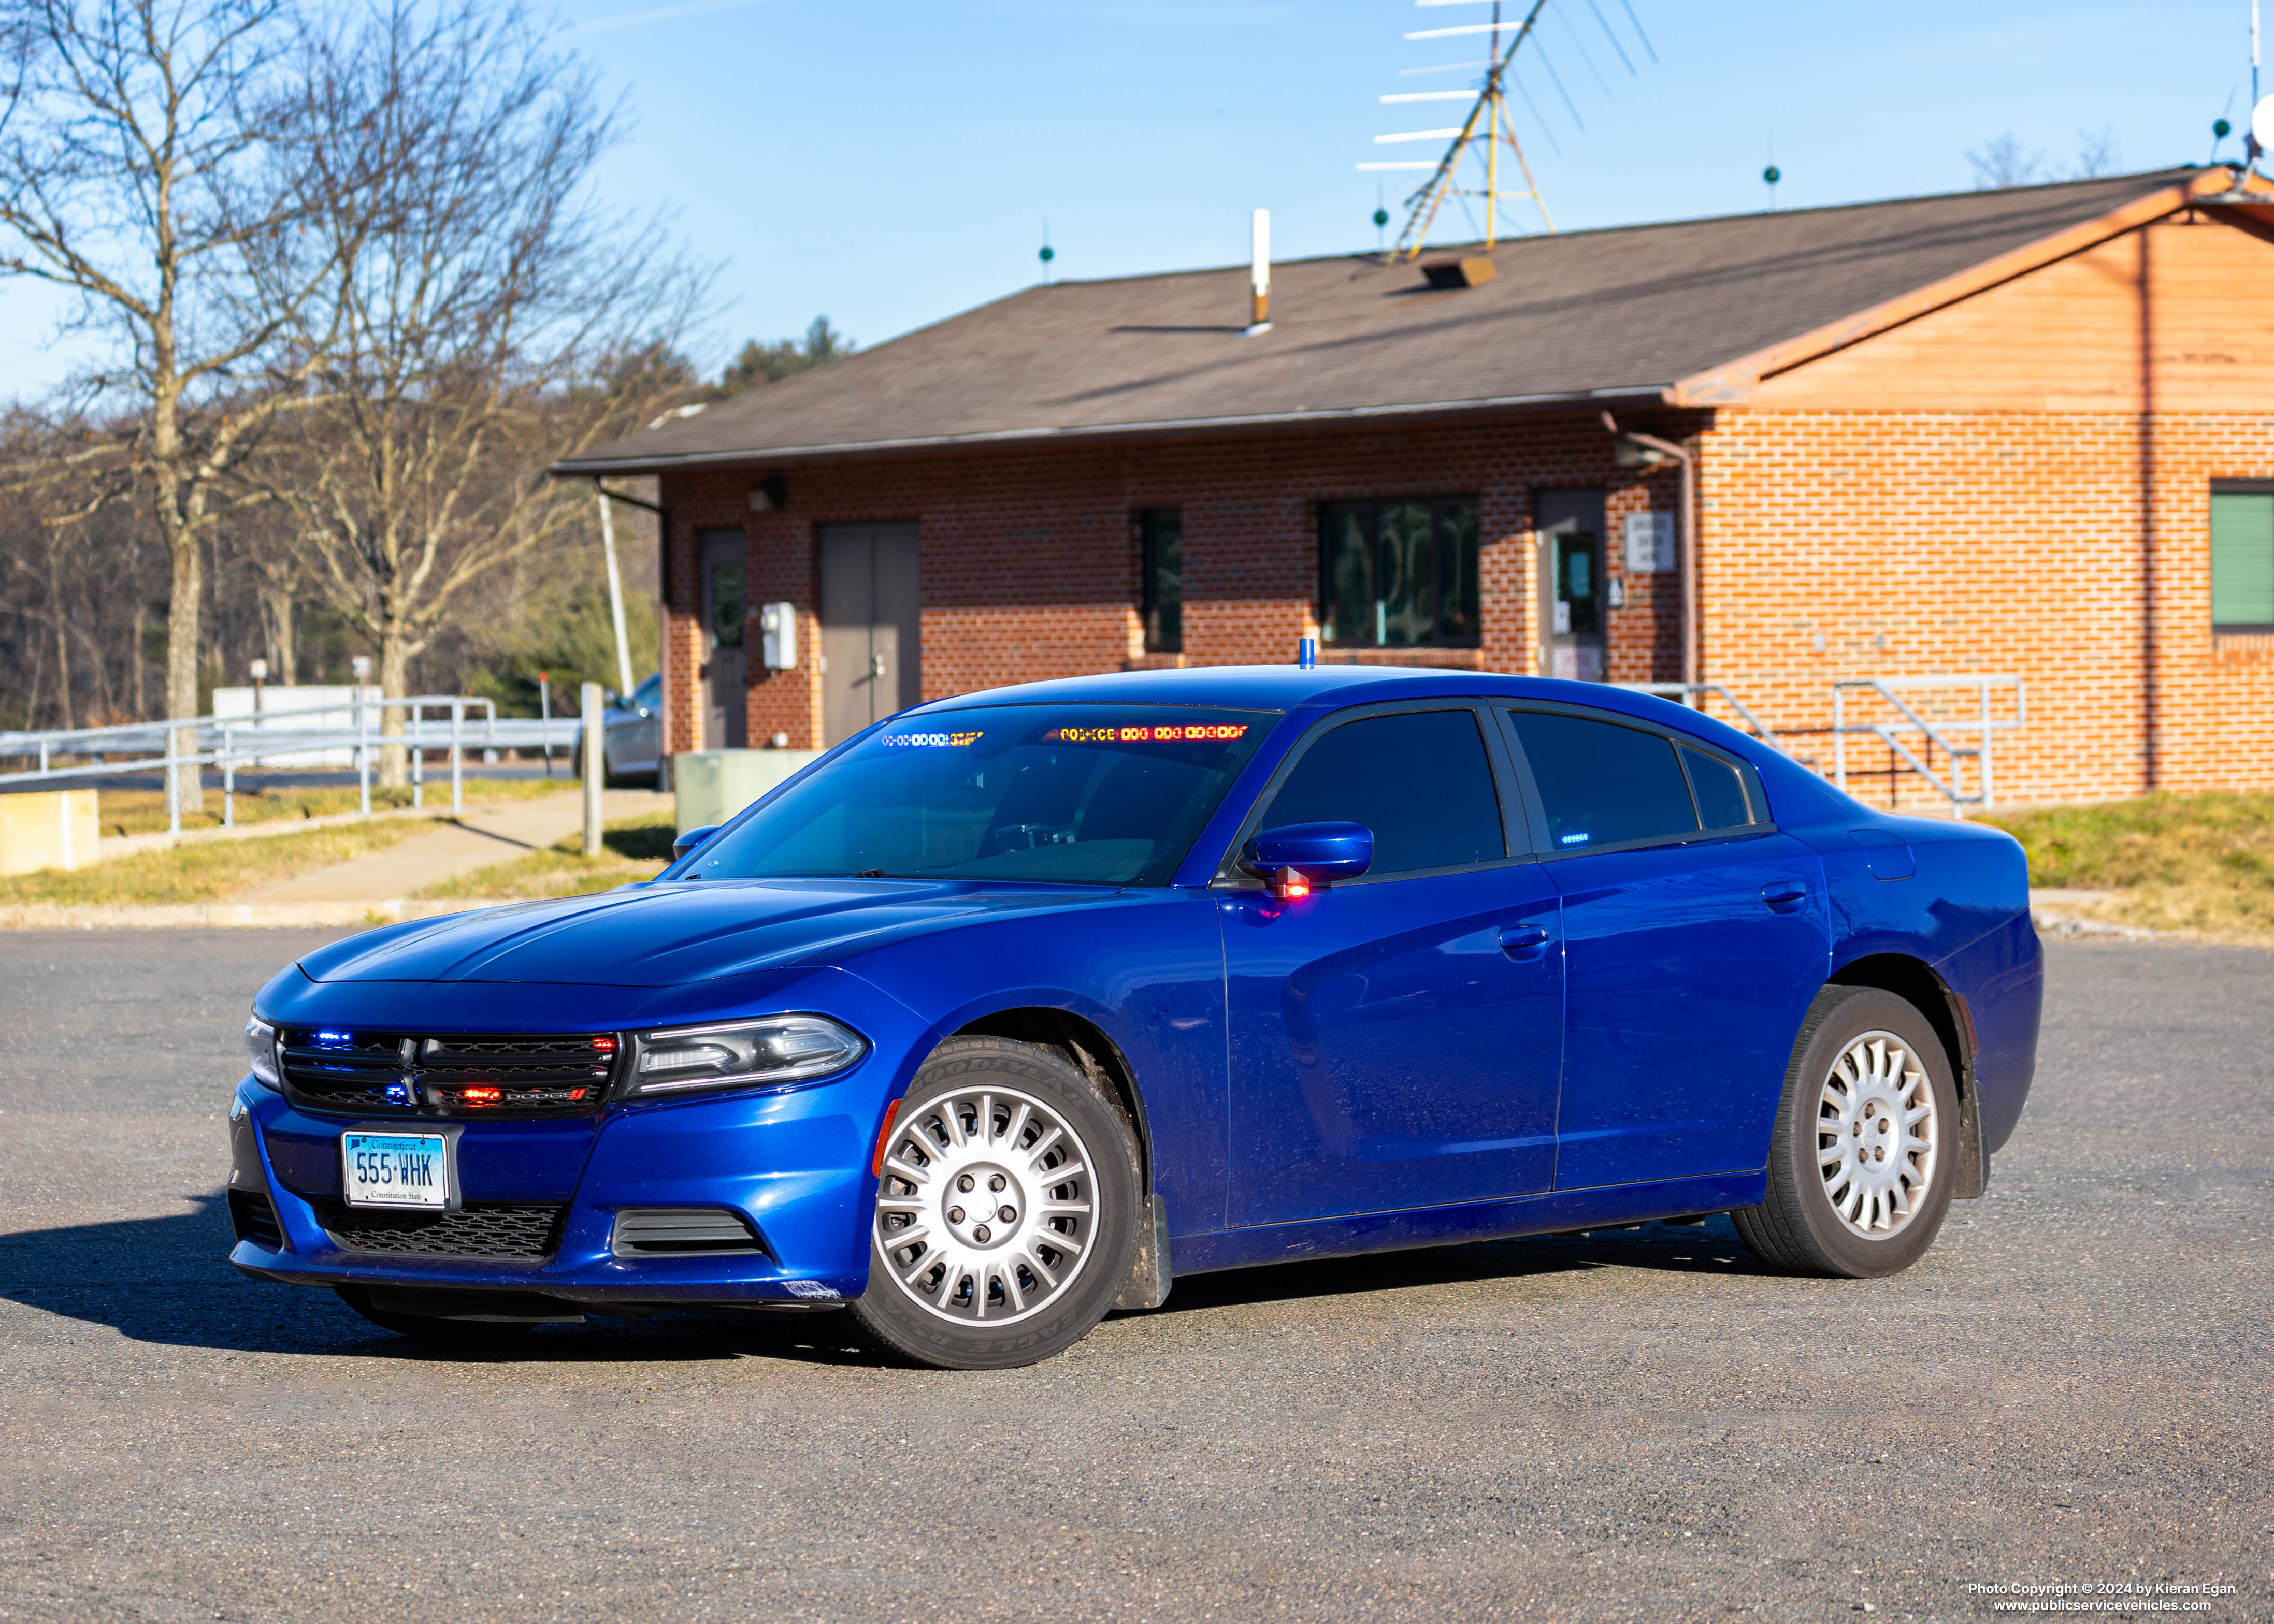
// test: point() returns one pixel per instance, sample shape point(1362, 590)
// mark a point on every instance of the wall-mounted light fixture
point(769, 495)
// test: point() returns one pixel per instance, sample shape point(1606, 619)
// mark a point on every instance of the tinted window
point(1419, 780)
point(1604, 783)
point(1721, 792)
point(1091, 795)
point(1400, 573)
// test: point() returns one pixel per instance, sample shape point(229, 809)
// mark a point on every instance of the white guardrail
point(432, 722)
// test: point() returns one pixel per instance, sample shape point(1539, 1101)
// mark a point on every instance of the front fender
point(1147, 973)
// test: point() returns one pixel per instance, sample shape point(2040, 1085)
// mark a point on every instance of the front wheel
point(1862, 1156)
point(1006, 1212)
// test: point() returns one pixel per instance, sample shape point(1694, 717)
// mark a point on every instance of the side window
point(1161, 535)
point(2241, 556)
point(1603, 784)
point(1419, 779)
point(1721, 792)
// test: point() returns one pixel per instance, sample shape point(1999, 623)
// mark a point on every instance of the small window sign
point(1650, 545)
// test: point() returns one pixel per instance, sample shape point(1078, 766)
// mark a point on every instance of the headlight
point(260, 1049)
point(779, 1048)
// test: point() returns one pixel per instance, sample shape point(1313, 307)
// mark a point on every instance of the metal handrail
point(1984, 724)
point(1683, 690)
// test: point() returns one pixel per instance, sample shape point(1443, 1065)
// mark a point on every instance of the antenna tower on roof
point(1483, 133)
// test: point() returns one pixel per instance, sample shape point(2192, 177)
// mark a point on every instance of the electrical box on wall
point(777, 637)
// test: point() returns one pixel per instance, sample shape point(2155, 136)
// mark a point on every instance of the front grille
point(517, 1230)
point(410, 1074)
point(253, 1216)
point(665, 1231)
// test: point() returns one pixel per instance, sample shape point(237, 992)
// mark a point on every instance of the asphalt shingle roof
point(1581, 315)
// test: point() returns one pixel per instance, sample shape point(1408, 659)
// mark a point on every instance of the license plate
point(397, 1170)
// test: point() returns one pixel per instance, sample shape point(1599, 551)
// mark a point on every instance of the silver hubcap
point(1876, 1136)
point(987, 1206)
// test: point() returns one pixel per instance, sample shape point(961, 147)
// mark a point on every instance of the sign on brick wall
point(1650, 543)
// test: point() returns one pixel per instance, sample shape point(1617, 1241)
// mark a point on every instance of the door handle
point(1785, 896)
point(1524, 941)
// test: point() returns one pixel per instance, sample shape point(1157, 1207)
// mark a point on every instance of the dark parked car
point(632, 726)
point(1020, 1005)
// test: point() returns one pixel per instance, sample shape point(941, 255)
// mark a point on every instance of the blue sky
point(890, 164)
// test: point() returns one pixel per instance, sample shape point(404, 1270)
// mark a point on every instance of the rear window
point(1083, 795)
point(1604, 785)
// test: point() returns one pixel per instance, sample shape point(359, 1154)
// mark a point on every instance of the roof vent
point(1473, 271)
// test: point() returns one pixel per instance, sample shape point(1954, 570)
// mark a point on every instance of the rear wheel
point(1860, 1161)
point(1006, 1213)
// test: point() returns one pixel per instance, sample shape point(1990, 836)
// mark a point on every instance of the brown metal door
point(871, 615)
point(726, 689)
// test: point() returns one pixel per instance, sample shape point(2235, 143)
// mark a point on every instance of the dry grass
point(2201, 865)
point(143, 811)
point(209, 871)
point(635, 849)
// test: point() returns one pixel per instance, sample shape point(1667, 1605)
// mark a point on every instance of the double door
point(1581, 959)
point(871, 619)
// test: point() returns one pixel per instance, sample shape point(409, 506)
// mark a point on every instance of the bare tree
point(152, 165)
point(2004, 162)
point(475, 327)
point(2096, 153)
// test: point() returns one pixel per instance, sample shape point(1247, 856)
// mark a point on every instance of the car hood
point(672, 935)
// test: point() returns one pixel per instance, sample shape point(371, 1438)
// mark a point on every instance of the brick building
point(2027, 431)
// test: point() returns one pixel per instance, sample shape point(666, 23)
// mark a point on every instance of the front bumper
point(793, 1163)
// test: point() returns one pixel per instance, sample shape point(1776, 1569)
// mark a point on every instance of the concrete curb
point(225, 915)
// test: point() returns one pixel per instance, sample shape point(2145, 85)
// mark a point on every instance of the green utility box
point(712, 786)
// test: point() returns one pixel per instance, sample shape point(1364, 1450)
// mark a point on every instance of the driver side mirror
point(692, 838)
point(1294, 857)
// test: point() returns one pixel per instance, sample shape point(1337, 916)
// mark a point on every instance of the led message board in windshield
point(1172, 733)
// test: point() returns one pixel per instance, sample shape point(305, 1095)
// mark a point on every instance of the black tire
point(430, 1328)
point(955, 1332)
point(1799, 1226)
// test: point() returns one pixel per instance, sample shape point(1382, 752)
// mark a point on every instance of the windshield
point(1088, 794)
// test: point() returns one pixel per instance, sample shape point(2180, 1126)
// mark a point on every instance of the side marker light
point(884, 1138)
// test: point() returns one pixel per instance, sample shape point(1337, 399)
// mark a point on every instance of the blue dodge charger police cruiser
point(1019, 1005)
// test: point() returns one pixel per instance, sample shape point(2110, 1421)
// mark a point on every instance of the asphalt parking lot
point(2075, 1387)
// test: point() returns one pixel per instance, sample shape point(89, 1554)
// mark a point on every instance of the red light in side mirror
point(1288, 884)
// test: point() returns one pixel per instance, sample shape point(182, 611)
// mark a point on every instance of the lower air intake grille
point(661, 1231)
point(254, 1216)
point(519, 1230)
